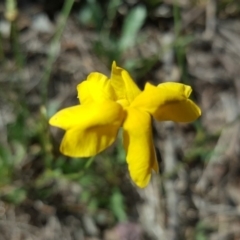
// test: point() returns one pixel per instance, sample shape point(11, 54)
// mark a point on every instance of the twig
point(151, 214)
point(225, 144)
point(211, 22)
point(169, 159)
point(206, 207)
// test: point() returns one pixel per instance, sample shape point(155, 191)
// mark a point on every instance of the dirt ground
point(45, 53)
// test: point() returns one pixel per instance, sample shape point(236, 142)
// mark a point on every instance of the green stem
point(78, 175)
point(53, 53)
point(177, 18)
point(1, 49)
point(54, 47)
point(89, 163)
point(19, 58)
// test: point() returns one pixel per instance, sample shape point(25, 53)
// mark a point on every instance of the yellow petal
point(138, 143)
point(84, 93)
point(97, 87)
point(91, 128)
point(123, 84)
point(87, 142)
point(168, 101)
point(69, 117)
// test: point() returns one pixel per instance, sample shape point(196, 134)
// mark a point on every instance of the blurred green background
point(47, 48)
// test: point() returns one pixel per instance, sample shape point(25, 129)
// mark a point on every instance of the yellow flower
point(106, 105)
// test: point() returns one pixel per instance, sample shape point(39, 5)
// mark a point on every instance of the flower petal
point(91, 128)
point(84, 93)
point(168, 101)
point(97, 87)
point(123, 84)
point(138, 143)
point(68, 117)
point(87, 142)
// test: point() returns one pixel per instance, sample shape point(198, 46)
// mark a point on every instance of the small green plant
point(110, 45)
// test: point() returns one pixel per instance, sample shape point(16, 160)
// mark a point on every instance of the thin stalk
point(19, 57)
point(54, 47)
point(172, 198)
point(177, 18)
point(76, 176)
point(11, 14)
point(52, 56)
point(1, 49)
point(89, 162)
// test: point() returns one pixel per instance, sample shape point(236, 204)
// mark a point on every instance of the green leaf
point(16, 196)
point(117, 206)
point(85, 16)
point(131, 26)
point(19, 153)
point(91, 14)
